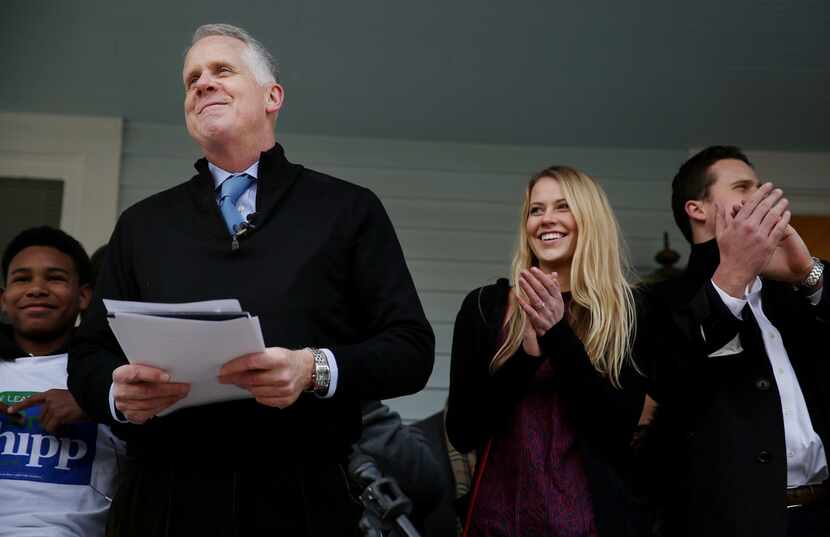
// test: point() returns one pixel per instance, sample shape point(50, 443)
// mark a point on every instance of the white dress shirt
point(806, 459)
point(246, 204)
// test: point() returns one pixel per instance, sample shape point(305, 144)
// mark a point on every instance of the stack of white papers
point(189, 341)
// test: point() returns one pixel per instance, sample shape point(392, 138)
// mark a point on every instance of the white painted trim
point(66, 168)
point(83, 152)
point(803, 176)
point(809, 202)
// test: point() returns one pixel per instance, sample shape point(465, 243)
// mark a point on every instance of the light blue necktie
point(229, 193)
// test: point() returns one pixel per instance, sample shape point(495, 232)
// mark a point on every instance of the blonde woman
point(542, 383)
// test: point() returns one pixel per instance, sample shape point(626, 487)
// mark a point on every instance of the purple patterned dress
point(534, 483)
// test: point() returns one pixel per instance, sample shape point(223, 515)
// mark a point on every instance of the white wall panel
point(804, 178)
point(420, 405)
point(432, 275)
point(441, 306)
point(443, 336)
point(83, 152)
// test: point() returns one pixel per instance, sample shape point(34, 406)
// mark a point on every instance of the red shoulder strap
point(482, 463)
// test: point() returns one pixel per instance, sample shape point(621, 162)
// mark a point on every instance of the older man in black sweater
point(315, 258)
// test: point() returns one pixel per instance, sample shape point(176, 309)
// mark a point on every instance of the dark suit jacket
point(324, 268)
point(722, 452)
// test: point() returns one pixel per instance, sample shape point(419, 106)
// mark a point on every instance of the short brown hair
point(693, 180)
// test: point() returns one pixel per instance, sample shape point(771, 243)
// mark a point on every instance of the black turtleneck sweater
point(323, 269)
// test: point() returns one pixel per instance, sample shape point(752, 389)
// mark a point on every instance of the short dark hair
point(693, 180)
point(53, 238)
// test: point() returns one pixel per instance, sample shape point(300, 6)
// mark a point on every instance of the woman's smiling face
point(551, 228)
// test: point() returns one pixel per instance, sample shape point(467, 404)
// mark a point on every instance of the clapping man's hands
point(791, 261)
point(748, 236)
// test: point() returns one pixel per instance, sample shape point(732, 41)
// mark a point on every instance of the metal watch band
point(321, 373)
point(814, 276)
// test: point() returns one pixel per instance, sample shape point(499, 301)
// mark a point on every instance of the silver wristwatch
point(320, 374)
point(814, 276)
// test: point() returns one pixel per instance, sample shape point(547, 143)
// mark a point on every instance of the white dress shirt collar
point(219, 175)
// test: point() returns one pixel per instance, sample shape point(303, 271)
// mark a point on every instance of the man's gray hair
point(259, 60)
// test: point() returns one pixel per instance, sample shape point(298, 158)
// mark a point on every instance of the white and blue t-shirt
point(51, 485)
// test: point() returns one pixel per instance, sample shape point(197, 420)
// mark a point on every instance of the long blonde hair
point(602, 310)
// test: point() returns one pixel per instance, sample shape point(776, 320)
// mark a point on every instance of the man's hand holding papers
point(275, 377)
point(176, 352)
point(142, 391)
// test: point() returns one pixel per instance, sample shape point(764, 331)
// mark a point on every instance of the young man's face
point(43, 295)
point(735, 181)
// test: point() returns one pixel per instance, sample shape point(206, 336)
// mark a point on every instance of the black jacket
point(605, 417)
point(323, 268)
point(10, 350)
point(722, 450)
point(402, 452)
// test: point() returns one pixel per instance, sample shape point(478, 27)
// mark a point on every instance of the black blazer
point(605, 417)
point(722, 450)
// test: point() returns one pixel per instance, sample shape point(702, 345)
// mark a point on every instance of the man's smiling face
point(223, 100)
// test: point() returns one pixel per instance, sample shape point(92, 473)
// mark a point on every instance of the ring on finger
point(539, 305)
